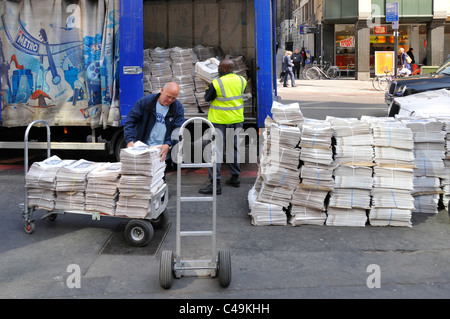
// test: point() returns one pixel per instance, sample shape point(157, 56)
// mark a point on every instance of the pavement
point(269, 263)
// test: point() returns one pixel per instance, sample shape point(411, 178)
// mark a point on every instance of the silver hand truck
point(138, 231)
point(220, 266)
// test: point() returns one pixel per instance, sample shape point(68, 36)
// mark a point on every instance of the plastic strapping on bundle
point(74, 180)
point(389, 135)
point(318, 178)
point(315, 135)
point(307, 199)
point(270, 213)
point(390, 218)
point(395, 203)
point(282, 180)
point(425, 165)
point(351, 198)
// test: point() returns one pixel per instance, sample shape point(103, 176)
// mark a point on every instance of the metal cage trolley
point(138, 231)
point(177, 266)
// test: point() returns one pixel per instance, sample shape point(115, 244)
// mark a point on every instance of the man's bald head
point(226, 66)
point(169, 93)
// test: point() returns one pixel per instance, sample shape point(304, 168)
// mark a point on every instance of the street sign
point(392, 12)
point(303, 29)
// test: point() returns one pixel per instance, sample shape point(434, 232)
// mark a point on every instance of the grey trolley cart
point(177, 266)
point(138, 231)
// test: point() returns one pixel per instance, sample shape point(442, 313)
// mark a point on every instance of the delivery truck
point(79, 64)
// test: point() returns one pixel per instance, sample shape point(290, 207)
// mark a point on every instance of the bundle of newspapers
point(71, 181)
point(40, 182)
point(353, 181)
point(429, 156)
point(392, 201)
point(316, 174)
point(146, 73)
point(279, 164)
point(264, 213)
point(207, 70)
point(102, 188)
point(278, 174)
point(142, 176)
point(289, 114)
point(445, 182)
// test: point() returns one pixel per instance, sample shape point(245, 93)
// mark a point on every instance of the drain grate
point(118, 245)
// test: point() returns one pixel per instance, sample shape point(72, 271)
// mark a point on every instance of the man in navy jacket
point(153, 119)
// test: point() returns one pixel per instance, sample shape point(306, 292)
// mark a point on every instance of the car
point(440, 79)
point(428, 104)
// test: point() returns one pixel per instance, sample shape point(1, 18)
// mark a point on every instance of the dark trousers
point(297, 70)
point(230, 133)
point(291, 75)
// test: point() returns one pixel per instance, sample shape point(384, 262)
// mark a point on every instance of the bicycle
point(328, 71)
point(381, 83)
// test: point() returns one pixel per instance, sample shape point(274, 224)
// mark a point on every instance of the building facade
point(349, 32)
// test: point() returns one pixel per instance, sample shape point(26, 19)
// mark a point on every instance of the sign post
point(392, 16)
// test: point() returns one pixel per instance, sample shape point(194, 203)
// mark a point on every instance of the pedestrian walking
point(297, 60)
point(287, 68)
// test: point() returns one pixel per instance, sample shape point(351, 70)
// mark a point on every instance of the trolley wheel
point(139, 232)
point(224, 268)
point(161, 220)
point(52, 217)
point(166, 269)
point(29, 226)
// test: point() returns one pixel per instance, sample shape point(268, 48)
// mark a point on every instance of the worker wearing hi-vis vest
point(226, 113)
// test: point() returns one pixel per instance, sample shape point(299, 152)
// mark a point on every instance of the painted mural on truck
point(59, 62)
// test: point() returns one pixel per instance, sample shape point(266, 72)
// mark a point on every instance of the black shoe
point(208, 190)
point(234, 181)
point(285, 86)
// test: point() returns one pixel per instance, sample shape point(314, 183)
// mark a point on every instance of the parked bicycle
point(381, 83)
point(327, 70)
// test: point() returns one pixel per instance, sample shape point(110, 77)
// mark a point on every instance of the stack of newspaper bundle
point(429, 153)
point(278, 174)
point(147, 74)
point(316, 172)
point(141, 178)
point(264, 214)
point(101, 190)
point(203, 52)
point(445, 182)
point(279, 164)
point(207, 70)
point(392, 201)
point(71, 183)
point(160, 55)
point(353, 180)
point(308, 207)
point(186, 94)
point(289, 114)
point(40, 182)
point(160, 68)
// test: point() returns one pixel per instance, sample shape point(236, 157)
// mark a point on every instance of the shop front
point(381, 39)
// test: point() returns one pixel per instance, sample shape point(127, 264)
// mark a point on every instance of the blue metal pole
point(264, 59)
point(131, 29)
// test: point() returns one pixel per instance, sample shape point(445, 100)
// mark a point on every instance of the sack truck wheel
point(224, 268)
point(29, 226)
point(139, 232)
point(166, 269)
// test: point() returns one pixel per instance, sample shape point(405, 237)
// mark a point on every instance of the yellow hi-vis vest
point(228, 106)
